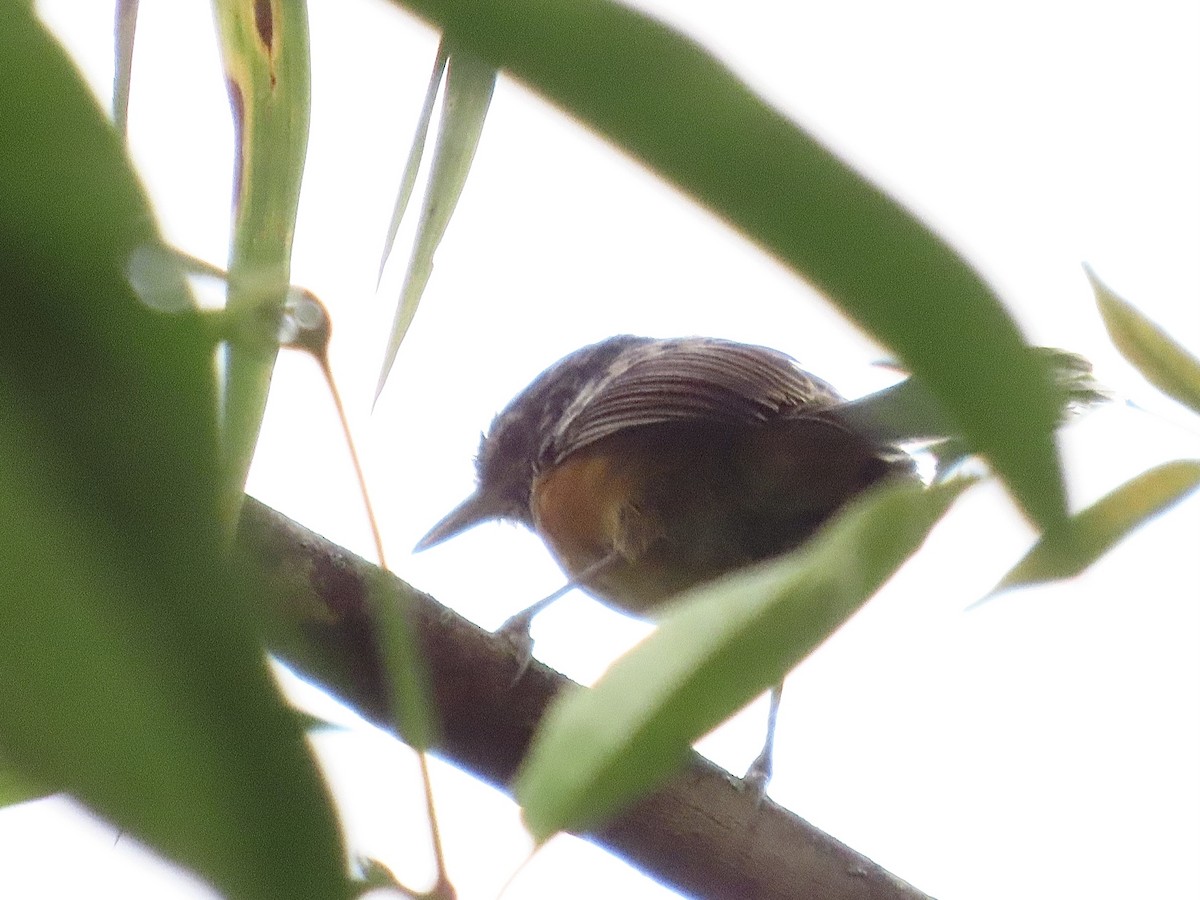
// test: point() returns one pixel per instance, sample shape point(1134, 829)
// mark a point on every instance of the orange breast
point(673, 507)
point(631, 499)
point(577, 508)
point(598, 505)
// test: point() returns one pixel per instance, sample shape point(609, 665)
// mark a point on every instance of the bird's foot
point(515, 632)
point(758, 776)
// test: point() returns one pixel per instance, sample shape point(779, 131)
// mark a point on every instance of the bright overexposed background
point(1042, 746)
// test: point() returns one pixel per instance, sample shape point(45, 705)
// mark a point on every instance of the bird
point(649, 466)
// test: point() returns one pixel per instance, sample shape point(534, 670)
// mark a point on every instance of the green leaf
point(407, 676)
point(716, 649)
point(1084, 538)
point(907, 412)
point(1163, 361)
point(412, 165)
point(16, 788)
point(469, 86)
point(264, 47)
point(134, 677)
point(672, 105)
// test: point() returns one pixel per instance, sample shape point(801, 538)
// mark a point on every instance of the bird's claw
point(758, 776)
point(515, 632)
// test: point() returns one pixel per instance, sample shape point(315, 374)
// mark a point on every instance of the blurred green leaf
point(1163, 362)
point(264, 47)
point(377, 875)
point(408, 679)
point(717, 648)
point(469, 85)
point(1084, 538)
point(672, 105)
point(16, 788)
point(133, 674)
point(907, 412)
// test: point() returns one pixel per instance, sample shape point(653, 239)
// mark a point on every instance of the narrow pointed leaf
point(412, 165)
point(407, 675)
point(1162, 360)
point(671, 104)
point(124, 30)
point(716, 649)
point(469, 86)
point(1084, 538)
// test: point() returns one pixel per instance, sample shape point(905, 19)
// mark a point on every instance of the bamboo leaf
point(409, 689)
point(15, 788)
point(1163, 361)
point(469, 86)
point(1084, 538)
point(124, 31)
point(408, 180)
point(133, 673)
point(672, 105)
point(717, 648)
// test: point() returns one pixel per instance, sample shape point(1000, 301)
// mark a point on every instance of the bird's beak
point(475, 509)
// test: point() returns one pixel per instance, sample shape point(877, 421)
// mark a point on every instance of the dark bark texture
point(701, 833)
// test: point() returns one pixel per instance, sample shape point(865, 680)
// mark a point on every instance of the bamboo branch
point(701, 833)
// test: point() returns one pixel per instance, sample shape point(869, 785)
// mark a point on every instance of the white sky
point(1043, 746)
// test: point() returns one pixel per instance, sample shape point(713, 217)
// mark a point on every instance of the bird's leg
point(759, 772)
point(516, 628)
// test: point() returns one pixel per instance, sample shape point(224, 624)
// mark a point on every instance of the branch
point(702, 834)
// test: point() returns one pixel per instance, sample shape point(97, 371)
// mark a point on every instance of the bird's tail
point(907, 413)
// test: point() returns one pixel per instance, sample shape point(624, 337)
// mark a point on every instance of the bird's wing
point(697, 380)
